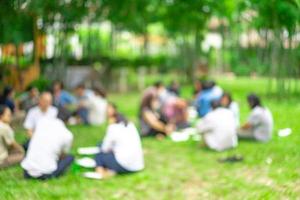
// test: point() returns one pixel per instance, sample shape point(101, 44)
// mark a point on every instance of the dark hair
point(158, 84)
point(215, 104)
point(60, 83)
point(100, 91)
point(147, 102)
point(118, 116)
point(208, 85)
point(6, 91)
point(2, 109)
point(80, 86)
point(253, 100)
point(228, 95)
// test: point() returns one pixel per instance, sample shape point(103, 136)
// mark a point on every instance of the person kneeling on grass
point(121, 149)
point(218, 128)
point(152, 123)
point(260, 122)
point(47, 153)
point(11, 152)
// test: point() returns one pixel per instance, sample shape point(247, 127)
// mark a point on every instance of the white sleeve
point(108, 140)
point(254, 118)
point(205, 125)
point(68, 142)
point(29, 123)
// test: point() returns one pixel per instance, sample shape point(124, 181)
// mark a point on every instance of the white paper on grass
point(88, 150)
point(184, 135)
point(86, 162)
point(284, 132)
point(92, 175)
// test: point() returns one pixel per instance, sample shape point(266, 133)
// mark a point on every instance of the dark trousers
point(108, 161)
point(62, 166)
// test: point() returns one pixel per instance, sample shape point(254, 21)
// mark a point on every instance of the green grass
point(184, 170)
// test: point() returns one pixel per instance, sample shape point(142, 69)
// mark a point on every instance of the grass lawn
point(183, 170)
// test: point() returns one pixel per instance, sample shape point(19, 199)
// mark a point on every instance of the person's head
point(98, 91)
point(206, 85)
point(80, 90)
point(198, 85)
point(45, 101)
point(226, 99)
point(174, 85)
point(58, 86)
point(8, 92)
point(158, 84)
point(150, 102)
point(253, 100)
point(5, 114)
point(215, 104)
point(114, 116)
point(33, 91)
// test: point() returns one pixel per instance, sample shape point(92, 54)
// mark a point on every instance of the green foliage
point(42, 84)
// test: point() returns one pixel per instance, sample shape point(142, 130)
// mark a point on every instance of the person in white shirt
point(97, 106)
point(47, 154)
point(44, 109)
point(121, 149)
point(218, 128)
point(227, 102)
point(260, 122)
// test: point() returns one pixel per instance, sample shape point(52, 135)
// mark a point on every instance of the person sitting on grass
point(11, 152)
point(152, 123)
point(210, 92)
point(29, 99)
point(47, 156)
point(43, 110)
point(260, 122)
point(121, 149)
point(218, 128)
point(7, 98)
point(227, 102)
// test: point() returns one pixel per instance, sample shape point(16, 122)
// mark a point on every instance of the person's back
point(262, 121)
point(127, 145)
point(204, 101)
point(50, 140)
point(219, 129)
point(97, 109)
point(35, 114)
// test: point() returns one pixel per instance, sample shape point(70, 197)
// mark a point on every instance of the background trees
point(258, 36)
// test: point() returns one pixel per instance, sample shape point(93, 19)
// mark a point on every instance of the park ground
point(184, 170)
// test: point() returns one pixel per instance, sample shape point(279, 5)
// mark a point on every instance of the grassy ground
point(183, 170)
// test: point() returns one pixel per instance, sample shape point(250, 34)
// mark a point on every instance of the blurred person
point(259, 125)
point(121, 149)
point(96, 106)
point(47, 156)
point(62, 98)
point(11, 152)
point(44, 109)
point(218, 128)
point(82, 95)
point(7, 98)
point(174, 88)
point(227, 102)
point(29, 99)
point(209, 93)
point(197, 88)
point(152, 123)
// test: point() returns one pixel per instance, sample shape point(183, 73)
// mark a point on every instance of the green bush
point(41, 83)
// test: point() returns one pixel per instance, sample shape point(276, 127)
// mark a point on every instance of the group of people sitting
point(45, 154)
point(163, 111)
